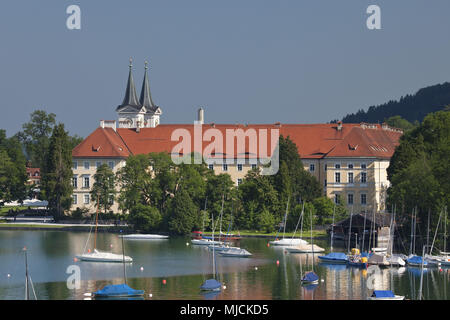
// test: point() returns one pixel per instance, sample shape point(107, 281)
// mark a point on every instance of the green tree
point(103, 190)
point(399, 122)
point(36, 136)
point(145, 218)
point(265, 221)
point(183, 214)
point(57, 172)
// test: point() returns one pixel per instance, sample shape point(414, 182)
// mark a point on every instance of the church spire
point(146, 96)
point(130, 99)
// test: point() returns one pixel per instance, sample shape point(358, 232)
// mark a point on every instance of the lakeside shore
point(317, 234)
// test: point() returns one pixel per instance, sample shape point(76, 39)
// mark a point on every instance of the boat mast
point(350, 230)
point(221, 213)
point(96, 222)
point(285, 217)
point(364, 231)
point(332, 228)
point(123, 261)
point(312, 245)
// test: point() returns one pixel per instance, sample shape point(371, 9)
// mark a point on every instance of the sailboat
point(311, 277)
point(118, 290)
point(101, 256)
point(200, 239)
point(212, 284)
point(334, 257)
point(28, 281)
point(304, 248)
point(284, 241)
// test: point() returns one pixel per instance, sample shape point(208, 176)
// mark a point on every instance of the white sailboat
point(101, 256)
point(287, 241)
point(143, 237)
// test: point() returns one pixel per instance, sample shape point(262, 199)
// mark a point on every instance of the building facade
point(349, 160)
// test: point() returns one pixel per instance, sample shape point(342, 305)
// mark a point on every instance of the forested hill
point(410, 107)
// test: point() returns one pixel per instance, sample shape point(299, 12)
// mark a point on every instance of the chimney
point(339, 126)
point(201, 116)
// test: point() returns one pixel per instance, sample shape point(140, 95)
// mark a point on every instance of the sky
point(251, 61)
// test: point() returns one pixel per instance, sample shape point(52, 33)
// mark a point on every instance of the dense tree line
point(162, 196)
point(413, 108)
point(419, 173)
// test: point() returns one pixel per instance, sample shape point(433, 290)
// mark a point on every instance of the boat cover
point(335, 256)
point(310, 277)
point(383, 294)
point(211, 284)
point(416, 260)
point(378, 259)
point(118, 290)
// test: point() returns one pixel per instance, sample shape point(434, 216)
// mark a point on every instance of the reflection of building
point(349, 160)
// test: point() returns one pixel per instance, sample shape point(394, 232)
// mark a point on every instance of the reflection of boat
point(143, 236)
point(209, 295)
point(305, 248)
point(334, 266)
point(384, 295)
point(334, 257)
point(117, 291)
point(28, 280)
point(235, 252)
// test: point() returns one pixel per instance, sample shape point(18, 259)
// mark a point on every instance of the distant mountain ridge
point(410, 107)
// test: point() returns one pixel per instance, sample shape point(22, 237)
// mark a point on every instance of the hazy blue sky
point(253, 61)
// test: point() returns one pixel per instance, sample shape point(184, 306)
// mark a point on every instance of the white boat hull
point(205, 242)
point(388, 298)
point(144, 237)
point(98, 256)
point(288, 242)
point(235, 252)
point(305, 249)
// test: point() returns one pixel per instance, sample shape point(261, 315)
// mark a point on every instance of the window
point(111, 164)
point(312, 167)
point(86, 182)
point(75, 182)
point(336, 198)
point(74, 199)
point(363, 166)
point(350, 177)
point(86, 165)
point(211, 167)
point(337, 177)
point(350, 198)
point(325, 182)
point(363, 198)
point(337, 166)
point(74, 165)
point(239, 167)
point(98, 164)
point(350, 165)
point(253, 166)
point(86, 199)
point(363, 177)
point(225, 167)
point(239, 181)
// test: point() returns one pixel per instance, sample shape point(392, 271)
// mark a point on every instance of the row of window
point(350, 199)
point(87, 164)
point(85, 180)
point(350, 179)
point(312, 166)
point(87, 199)
point(225, 167)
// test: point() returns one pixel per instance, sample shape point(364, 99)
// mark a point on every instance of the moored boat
point(384, 295)
point(143, 237)
point(334, 257)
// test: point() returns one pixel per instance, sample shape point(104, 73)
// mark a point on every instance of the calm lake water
point(186, 267)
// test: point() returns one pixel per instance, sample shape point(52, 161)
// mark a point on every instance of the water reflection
point(185, 267)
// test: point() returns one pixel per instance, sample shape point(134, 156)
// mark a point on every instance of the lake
point(185, 267)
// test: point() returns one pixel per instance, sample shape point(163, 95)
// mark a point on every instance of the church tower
point(134, 113)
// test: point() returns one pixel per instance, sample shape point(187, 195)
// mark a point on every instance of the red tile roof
point(312, 140)
point(102, 143)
